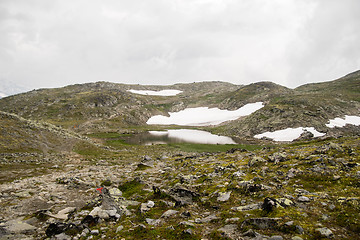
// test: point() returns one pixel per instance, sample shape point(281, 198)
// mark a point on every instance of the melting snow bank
point(194, 136)
point(166, 93)
point(203, 116)
point(289, 134)
point(339, 122)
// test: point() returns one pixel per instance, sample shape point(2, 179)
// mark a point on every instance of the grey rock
point(119, 228)
point(209, 218)
point(18, 226)
point(276, 237)
point(229, 230)
point(95, 232)
point(153, 222)
point(296, 238)
point(223, 197)
point(247, 207)
point(62, 236)
point(169, 213)
point(325, 232)
point(188, 231)
point(303, 199)
point(183, 196)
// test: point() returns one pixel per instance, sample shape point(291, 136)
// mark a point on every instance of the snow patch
point(204, 116)
point(194, 136)
point(166, 93)
point(339, 122)
point(289, 134)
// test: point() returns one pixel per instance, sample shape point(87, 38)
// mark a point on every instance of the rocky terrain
point(67, 172)
point(307, 190)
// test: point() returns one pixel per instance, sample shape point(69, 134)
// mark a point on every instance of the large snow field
point(165, 93)
point(339, 122)
point(194, 136)
point(289, 134)
point(204, 116)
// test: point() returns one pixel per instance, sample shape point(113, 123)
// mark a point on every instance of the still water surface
point(179, 136)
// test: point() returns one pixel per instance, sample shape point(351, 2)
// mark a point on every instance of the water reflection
point(179, 136)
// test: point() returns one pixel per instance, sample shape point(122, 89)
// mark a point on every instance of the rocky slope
point(304, 191)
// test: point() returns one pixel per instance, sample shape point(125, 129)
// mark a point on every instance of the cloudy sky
point(54, 43)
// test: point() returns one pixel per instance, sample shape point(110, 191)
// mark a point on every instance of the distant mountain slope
point(103, 104)
point(311, 105)
point(22, 135)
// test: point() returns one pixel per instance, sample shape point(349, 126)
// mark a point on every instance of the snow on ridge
point(289, 134)
point(165, 93)
point(339, 122)
point(204, 116)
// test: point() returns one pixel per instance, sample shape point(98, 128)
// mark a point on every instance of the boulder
point(324, 232)
point(183, 196)
point(223, 197)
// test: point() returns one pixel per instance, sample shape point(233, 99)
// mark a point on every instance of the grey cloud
point(54, 43)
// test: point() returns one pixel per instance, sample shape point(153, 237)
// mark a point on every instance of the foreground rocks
point(296, 192)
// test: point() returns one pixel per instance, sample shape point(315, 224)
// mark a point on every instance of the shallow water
point(179, 136)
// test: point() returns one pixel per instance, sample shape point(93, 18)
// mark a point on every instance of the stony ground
point(300, 191)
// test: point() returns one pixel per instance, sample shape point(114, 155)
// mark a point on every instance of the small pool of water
point(178, 136)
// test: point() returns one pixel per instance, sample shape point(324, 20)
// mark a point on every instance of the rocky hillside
point(310, 105)
point(106, 106)
point(22, 135)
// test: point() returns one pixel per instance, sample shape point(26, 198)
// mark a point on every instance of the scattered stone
point(284, 202)
point(153, 222)
point(169, 213)
point(247, 207)
point(276, 237)
point(324, 232)
point(18, 226)
point(183, 196)
point(145, 207)
point(209, 218)
point(229, 230)
point(62, 236)
point(188, 231)
point(95, 232)
point(303, 199)
point(63, 214)
point(223, 197)
point(119, 228)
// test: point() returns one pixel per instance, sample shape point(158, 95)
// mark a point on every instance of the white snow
point(166, 93)
point(339, 122)
point(203, 116)
point(289, 134)
point(194, 136)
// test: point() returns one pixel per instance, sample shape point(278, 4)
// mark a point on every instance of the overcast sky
point(52, 43)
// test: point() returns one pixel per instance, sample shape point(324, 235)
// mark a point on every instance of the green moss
point(132, 187)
